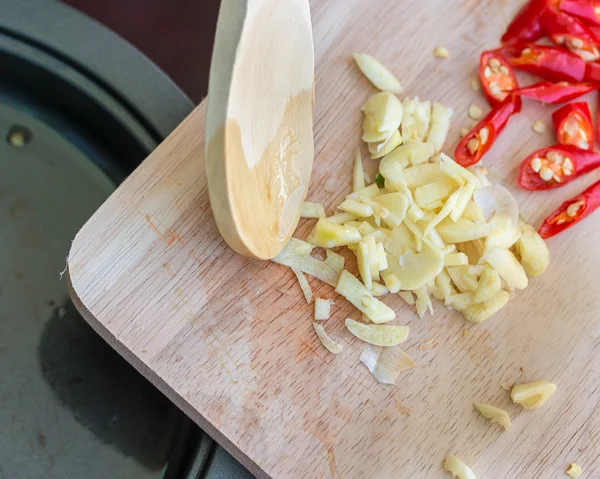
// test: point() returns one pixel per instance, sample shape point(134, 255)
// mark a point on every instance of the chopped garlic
point(494, 414)
point(358, 175)
point(377, 74)
point(532, 251)
point(416, 119)
point(441, 52)
point(378, 289)
point(423, 302)
point(330, 235)
point(312, 210)
point(322, 309)
point(489, 285)
point(364, 267)
point(355, 292)
point(396, 204)
point(532, 395)
point(328, 270)
point(326, 340)
point(304, 285)
point(457, 468)
point(383, 148)
point(341, 218)
point(377, 334)
point(356, 208)
point(480, 312)
point(407, 297)
point(457, 259)
point(574, 470)
point(507, 266)
point(440, 125)
point(462, 230)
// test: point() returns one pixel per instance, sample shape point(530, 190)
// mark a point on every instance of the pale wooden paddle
point(259, 136)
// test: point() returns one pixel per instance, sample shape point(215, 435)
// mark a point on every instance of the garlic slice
point(377, 74)
point(497, 200)
point(377, 334)
point(355, 292)
point(312, 210)
point(326, 340)
point(322, 309)
point(457, 468)
point(494, 414)
point(532, 395)
point(328, 270)
point(304, 285)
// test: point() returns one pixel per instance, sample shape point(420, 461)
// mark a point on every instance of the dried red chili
point(554, 166)
point(573, 125)
point(588, 10)
point(551, 63)
point(555, 93)
point(497, 77)
point(480, 139)
point(525, 27)
point(568, 31)
point(572, 211)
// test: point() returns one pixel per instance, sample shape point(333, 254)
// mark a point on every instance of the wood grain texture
point(230, 340)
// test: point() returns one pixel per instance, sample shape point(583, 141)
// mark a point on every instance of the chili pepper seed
point(567, 167)
point(475, 112)
point(574, 208)
point(536, 164)
point(538, 126)
point(555, 157)
point(546, 173)
point(441, 52)
point(484, 135)
point(472, 145)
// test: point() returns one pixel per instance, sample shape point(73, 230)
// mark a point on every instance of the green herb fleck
point(380, 180)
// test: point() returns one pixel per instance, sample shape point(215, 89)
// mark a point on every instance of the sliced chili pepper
point(479, 140)
point(572, 211)
point(555, 93)
point(525, 27)
point(569, 31)
point(550, 63)
point(497, 77)
point(573, 125)
point(588, 10)
point(554, 166)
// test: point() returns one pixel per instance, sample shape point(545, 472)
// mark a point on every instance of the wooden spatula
point(259, 136)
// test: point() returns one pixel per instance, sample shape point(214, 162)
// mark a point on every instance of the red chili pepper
point(497, 77)
point(555, 93)
point(572, 211)
point(480, 139)
point(566, 30)
point(525, 26)
point(588, 10)
point(573, 125)
point(550, 63)
point(554, 166)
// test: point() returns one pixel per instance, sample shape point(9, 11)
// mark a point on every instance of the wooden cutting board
point(230, 340)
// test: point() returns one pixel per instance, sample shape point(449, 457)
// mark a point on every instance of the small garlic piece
point(494, 414)
point(475, 112)
point(532, 395)
point(441, 52)
point(574, 470)
point(457, 468)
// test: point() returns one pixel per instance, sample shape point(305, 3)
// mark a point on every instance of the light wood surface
point(259, 126)
point(230, 339)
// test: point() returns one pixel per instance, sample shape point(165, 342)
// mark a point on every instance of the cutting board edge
point(159, 383)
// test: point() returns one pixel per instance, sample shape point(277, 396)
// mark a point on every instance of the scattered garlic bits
point(322, 309)
point(574, 470)
point(532, 395)
point(304, 285)
point(377, 74)
point(458, 469)
point(494, 414)
point(377, 334)
point(329, 343)
point(312, 210)
point(441, 52)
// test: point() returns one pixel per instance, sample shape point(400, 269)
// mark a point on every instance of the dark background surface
point(175, 34)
